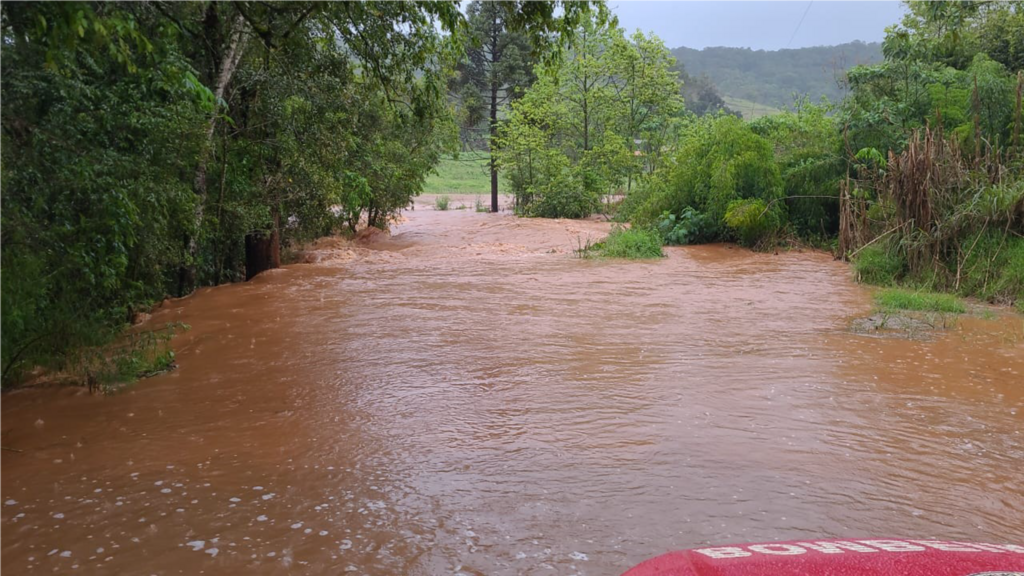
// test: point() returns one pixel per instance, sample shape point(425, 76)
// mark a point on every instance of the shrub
point(879, 264)
point(897, 299)
point(752, 220)
point(565, 194)
point(441, 202)
point(808, 150)
point(690, 227)
point(632, 243)
point(719, 161)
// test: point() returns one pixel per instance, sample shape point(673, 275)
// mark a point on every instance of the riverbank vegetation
point(917, 176)
point(623, 243)
point(152, 148)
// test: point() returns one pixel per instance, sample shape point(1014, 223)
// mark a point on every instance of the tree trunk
point(228, 64)
point(490, 146)
point(263, 251)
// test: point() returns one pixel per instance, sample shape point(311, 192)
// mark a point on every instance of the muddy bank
point(464, 396)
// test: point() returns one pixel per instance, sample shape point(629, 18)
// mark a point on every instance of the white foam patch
point(212, 552)
point(261, 518)
point(579, 556)
point(345, 545)
point(195, 544)
point(297, 525)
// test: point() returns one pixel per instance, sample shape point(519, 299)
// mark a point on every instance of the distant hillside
point(770, 78)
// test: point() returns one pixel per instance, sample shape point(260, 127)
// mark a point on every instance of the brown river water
point(467, 397)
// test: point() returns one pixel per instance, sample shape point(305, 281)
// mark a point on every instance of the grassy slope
point(750, 110)
point(467, 175)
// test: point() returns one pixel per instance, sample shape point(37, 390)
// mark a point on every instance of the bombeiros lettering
point(854, 547)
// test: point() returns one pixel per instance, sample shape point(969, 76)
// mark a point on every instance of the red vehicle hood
point(841, 558)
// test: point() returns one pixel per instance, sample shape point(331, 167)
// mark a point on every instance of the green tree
point(648, 92)
point(498, 68)
point(149, 148)
point(594, 121)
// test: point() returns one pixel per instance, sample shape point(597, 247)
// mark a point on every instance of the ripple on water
point(508, 409)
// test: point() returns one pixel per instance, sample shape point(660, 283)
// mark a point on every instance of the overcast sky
point(758, 25)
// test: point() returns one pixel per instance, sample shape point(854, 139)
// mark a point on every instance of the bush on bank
point(634, 244)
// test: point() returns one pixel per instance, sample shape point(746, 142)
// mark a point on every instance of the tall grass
point(940, 219)
point(879, 264)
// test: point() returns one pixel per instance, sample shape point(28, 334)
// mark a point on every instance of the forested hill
point(771, 77)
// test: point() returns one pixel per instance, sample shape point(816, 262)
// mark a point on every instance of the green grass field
point(750, 110)
point(467, 175)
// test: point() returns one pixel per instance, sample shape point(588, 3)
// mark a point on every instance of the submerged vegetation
point(634, 244)
point(625, 243)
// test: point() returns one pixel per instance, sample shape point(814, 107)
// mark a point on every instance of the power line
point(806, 10)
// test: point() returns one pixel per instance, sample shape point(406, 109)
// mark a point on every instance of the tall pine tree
point(498, 69)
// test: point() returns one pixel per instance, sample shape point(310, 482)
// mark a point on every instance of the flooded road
point(466, 397)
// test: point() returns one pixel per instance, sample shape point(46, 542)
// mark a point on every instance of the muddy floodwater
point(467, 397)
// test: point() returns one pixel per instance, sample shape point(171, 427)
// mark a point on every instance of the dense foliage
point(723, 171)
point(935, 197)
point(592, 123)
point(150, 148)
